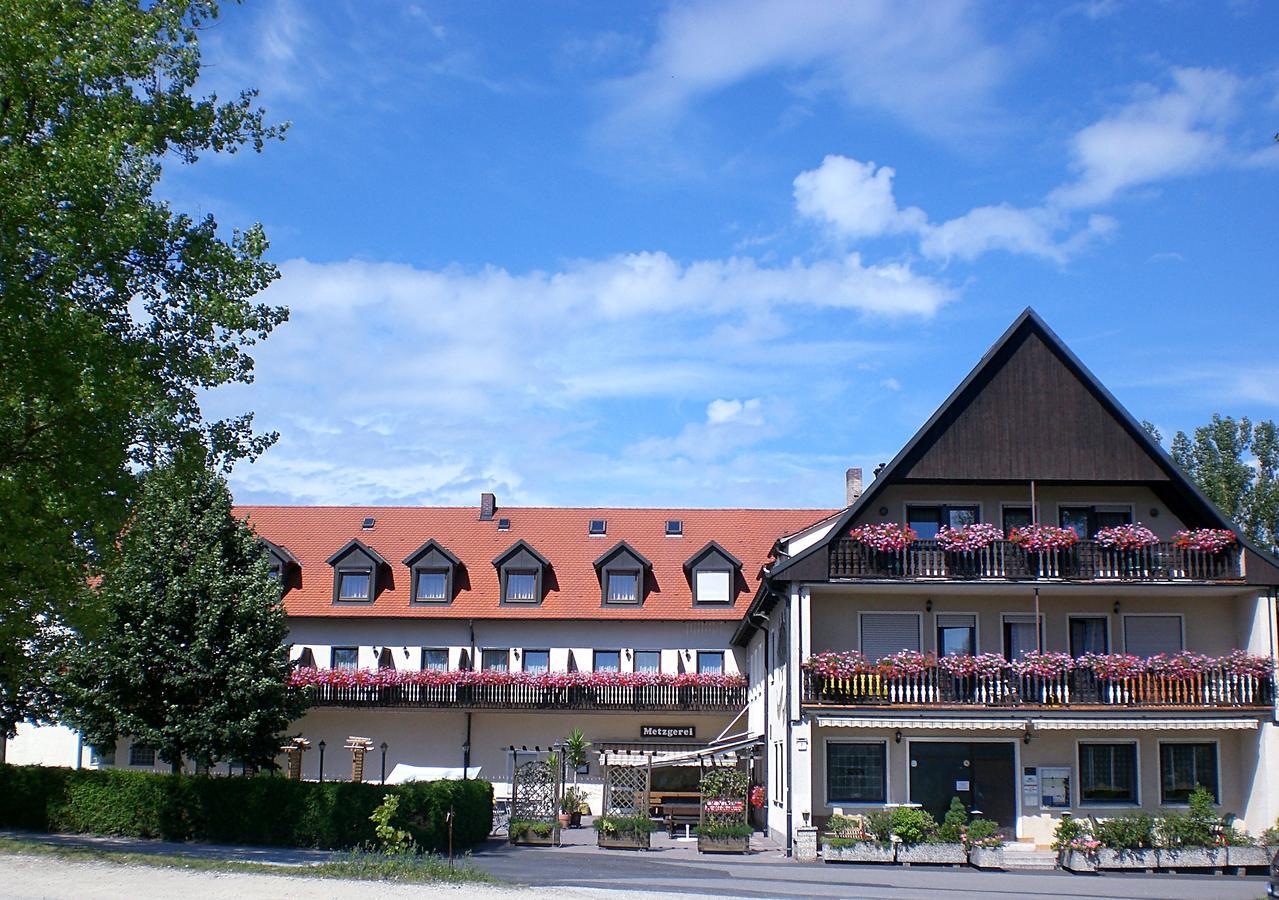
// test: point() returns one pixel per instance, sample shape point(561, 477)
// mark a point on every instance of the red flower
point(884, 536)
point(977, 536)
point(1126, 537)
point(1206, 540)
point(1043, 537)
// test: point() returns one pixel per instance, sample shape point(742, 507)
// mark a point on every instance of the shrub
point(1270, 837)
point(611, 825)
point(879, 825)
point(845, 827)
point(952, 825)
point(1132, 831)
point(392, 840)
point(521, 828)
point(1199, 826)
point(913, 825)
point(725, 831)
point(982, 833)
point(264, 809)
point(1068, 830)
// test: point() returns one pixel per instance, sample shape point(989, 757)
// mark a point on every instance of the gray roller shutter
point(1148, 635)
point(886, 633)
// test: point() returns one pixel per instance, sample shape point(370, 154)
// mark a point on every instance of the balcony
point(496, 689)
point(1006, 561)
point(1079, 689)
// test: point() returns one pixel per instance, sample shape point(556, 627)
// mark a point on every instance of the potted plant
point(985, 844)
point(1075, 845)
point(920, 840)
point(624, 832)
point(734, 838)
point(963, 545)
point(571, 807)
point(533, 833)
point(1046, 547)
point(724, 828)
point(859, 839)
point(887, 540)
point(575, 756)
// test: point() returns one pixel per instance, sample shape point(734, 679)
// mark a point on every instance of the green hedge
point(266, 809)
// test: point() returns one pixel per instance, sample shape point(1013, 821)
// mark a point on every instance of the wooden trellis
point(626, 790)
point(536, 790)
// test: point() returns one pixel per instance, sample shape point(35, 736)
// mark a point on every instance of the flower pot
point(624, 840)
point(1078, 861)
point(575, 820)
point(1192, 858)
point(723, 844)
point(860, 852)
point(1127, 859)
point(1249, 857)
point(986, 857)
point(932, 854)
point(565, 820)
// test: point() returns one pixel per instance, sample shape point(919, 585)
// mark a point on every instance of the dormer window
point(713, 574)
point(621, 572)
point(432, 572)
point(356, 571)
point(521, 573)
point(281, 563)
point(597, 527)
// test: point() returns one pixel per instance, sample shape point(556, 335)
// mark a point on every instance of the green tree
point(116, 311)
point(1236, 465)
point(191, 656)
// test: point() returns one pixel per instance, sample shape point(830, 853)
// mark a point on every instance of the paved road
point(679, 870)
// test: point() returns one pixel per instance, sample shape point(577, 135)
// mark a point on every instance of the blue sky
point(712, 254)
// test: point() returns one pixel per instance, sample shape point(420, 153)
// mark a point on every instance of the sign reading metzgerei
point(668, 731)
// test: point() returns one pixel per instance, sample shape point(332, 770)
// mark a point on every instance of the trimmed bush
point(265, 809)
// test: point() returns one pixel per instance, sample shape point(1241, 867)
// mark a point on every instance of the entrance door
point(980, 774)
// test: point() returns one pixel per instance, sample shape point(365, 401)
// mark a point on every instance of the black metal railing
point(1085, 561)
point(1217, 688)
point(644, 698)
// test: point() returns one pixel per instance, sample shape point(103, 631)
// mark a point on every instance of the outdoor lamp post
point(384, 762)
point(321, 746)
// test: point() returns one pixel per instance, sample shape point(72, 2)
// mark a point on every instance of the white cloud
point(721, 412)
point(924, 62)
point(854, 198)
point(1159, 135)
point(1033, 232)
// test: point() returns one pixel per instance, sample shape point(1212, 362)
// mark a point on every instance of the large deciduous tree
point(1236, 465)
point(116, 311)
point(191, 657)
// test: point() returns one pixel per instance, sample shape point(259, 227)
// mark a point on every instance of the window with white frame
point(537, 662)
point(856, 772)
point(345, 658)
point(353, 585)
point(141, 755)
point(1148, 635)
point(495, 660)
point(712, 586)
point(883, 634)
point(710, 662)
point(623, 587)
point(648, 660)
point(1183, 766)
point(1108, 774)
point(435, 659)
point(608, 660)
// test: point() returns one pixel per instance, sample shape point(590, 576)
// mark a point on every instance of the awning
point(722, 751)
point(924, 724)
point(1144, 724)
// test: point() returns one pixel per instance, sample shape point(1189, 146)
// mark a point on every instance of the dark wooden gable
point(1031, 414)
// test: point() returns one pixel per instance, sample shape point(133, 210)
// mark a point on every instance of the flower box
point(1127, 859)
point(932, 854)
point(1192, 858)
point(986, 857)
point(1077, 861)
point(1249, 857)
point(859, 852)
point(532, 839)
point(628, 840)
point(723, 844)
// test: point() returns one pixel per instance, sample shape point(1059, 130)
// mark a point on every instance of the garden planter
point(575, 820)
point(986, 857)
point(1127, 859)
point(629, 840)
point(1078, 861)
point(1249, 857)
point(723, 844)
point(932, 854)
point(860, 852)
point(1192, 858)
point(531, 839)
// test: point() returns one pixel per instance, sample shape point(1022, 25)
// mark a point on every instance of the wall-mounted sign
point(668, 731)
point(720, 805)
point(1054, 787)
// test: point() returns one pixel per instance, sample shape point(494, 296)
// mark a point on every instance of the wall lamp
point(928, 605)
point(1025, 738)
point(897, 736)
point(1116, 607)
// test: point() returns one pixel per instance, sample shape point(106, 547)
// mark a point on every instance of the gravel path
point(39, 877)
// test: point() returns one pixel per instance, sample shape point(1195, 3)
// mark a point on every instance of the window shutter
point(886, 633)
point(955, 621)
point(1148, 635)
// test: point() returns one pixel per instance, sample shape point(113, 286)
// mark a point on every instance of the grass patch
point(355, 865)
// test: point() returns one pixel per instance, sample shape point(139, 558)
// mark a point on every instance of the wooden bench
point(686, 814)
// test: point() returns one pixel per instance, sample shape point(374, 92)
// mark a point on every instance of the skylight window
point(368, 523)
point(674, 527)
point(503, 524)
point(597, 526)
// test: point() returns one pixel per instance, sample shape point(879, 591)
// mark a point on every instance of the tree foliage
point(116, 311)
point(1236, 465)
point(191, 656)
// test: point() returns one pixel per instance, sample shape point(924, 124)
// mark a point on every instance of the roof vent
point(597, 526)
point(503, 524)
point(368, 523)
point(674, 527)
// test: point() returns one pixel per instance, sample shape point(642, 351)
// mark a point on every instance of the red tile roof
point(313, 533)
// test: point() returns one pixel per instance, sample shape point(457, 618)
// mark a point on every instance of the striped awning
point(722, 751)
point(922, 724)
point(1129, 724)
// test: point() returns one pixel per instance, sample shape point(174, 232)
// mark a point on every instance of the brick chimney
point(852, 485)
point(488, 506)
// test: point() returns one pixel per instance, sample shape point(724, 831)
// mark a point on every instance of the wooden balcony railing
point(1080, 688)
point(1086, 561)
point(620, 698)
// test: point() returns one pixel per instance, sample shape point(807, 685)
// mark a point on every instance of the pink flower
point(1112, 665)
point(1206, 540)
point(906, 662)
point(350, 678)
point(1237, 662)
point(884, 536)
point(1043, 537)
point(984, 665)
point(970, 537)
point(843, 664)
point(1043, 665)
point(1126, 537)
